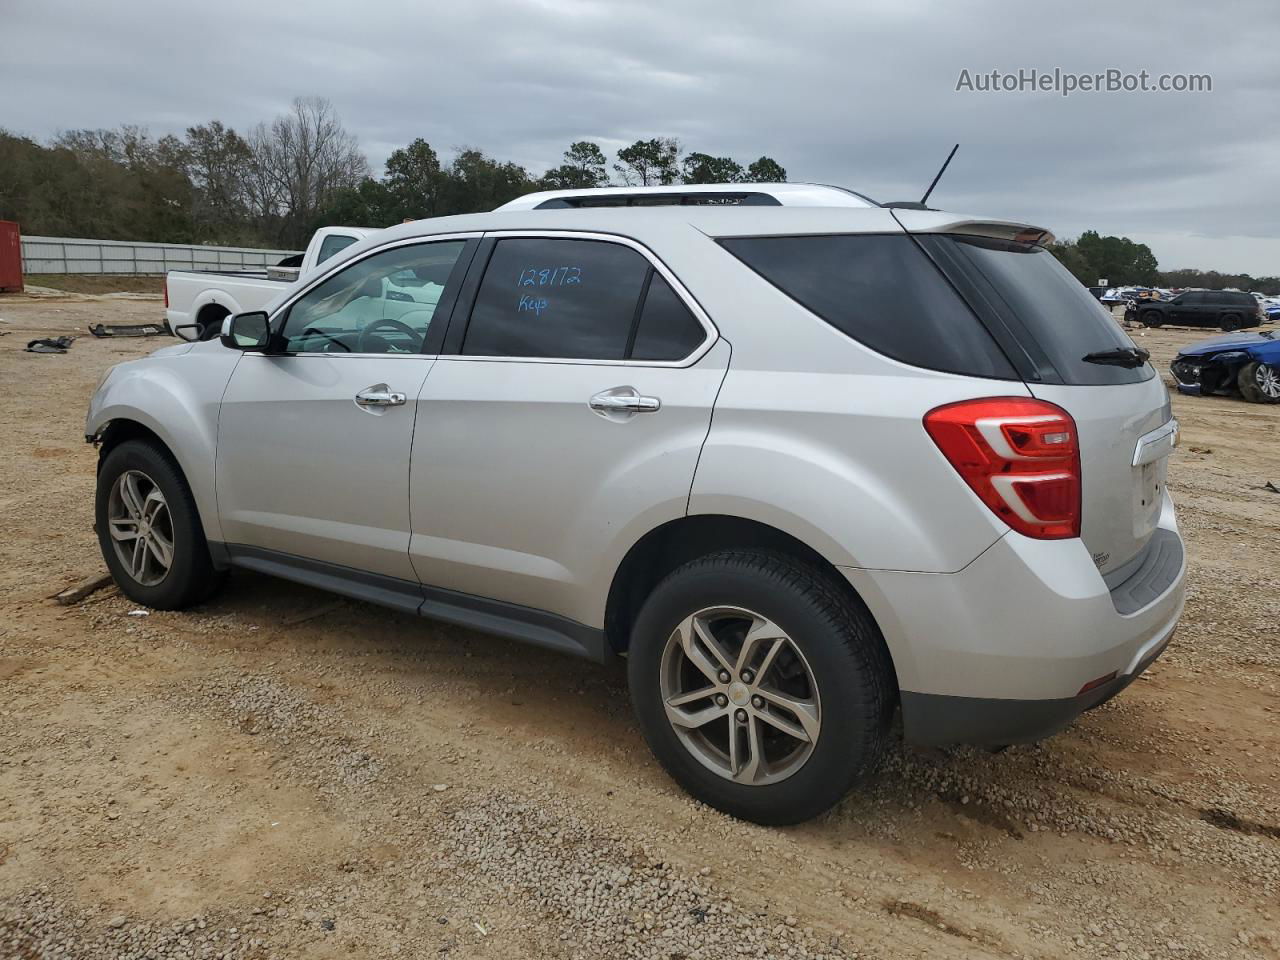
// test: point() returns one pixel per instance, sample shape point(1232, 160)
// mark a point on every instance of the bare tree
point(298, 163)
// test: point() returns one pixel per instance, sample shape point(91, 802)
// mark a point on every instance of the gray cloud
point(863, 97)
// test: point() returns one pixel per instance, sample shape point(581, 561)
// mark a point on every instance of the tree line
point(1122, 262)
point(274, 184)
point(278, 181)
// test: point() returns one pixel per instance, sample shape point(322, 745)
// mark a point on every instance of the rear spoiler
point(931, 221)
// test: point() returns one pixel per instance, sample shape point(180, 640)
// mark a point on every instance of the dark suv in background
point(1226, 309)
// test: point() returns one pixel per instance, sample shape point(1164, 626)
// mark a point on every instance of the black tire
point(209, 321)
point(191, 576)
point(1230, 323)
point(838, 638)
point(1254, 379)
point(1152, 318)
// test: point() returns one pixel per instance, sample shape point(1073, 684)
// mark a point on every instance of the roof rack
point(702, 194)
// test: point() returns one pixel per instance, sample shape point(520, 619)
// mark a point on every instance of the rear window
point(882, 291)
point(1042, 307)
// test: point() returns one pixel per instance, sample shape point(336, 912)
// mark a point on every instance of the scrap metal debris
point(50, 345)
point(127, 329)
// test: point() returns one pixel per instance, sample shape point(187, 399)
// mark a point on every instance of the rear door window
point(882, 291)
point(568, 299)
point(1047, 312)
point(552, 297)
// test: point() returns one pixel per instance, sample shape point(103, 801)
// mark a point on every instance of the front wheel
point(1152, 318)
point(762, 689)
point(149, 530)
point(1259, 382)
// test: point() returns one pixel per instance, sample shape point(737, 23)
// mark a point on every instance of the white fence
point(68, 255)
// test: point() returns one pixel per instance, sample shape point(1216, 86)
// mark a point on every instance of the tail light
point(1020, 456)
point(166, 293)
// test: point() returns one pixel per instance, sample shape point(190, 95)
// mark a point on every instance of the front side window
point(381, 304)
point(554, 297)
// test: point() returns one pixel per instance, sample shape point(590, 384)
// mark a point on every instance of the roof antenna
point(925, 199)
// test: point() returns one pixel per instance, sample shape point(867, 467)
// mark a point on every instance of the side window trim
point(457, 332)
point(432, 343)
point(635, 317)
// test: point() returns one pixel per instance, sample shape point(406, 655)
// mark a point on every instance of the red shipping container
point(10, 256)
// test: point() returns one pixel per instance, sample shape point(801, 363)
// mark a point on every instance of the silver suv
point(803, 459)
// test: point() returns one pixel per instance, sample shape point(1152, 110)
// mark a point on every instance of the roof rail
point(699, 194)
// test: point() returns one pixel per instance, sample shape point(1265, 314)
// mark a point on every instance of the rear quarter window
point(882, 291)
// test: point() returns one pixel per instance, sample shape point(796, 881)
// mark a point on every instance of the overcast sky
point(862, 95)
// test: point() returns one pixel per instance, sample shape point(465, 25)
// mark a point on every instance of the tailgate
point(1126, 435)
point(1070, 352)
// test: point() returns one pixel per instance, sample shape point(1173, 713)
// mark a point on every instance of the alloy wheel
point(141, 527)
point(740, 695)
point(1268, 380)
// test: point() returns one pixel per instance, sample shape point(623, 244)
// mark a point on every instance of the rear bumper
point(1010, 648)
point(939, 720)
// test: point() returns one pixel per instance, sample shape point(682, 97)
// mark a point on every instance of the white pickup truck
point(196, 301)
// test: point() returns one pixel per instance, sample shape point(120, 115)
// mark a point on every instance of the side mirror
point(246, 331)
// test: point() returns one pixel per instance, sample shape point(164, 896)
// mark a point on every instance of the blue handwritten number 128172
point(549, 276)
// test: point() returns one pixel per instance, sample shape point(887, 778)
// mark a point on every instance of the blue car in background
point(1244, 362)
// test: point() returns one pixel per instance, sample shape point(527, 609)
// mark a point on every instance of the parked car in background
point(928, 474)
point(1247, 363)
point(197, 301)
point(1226, 309)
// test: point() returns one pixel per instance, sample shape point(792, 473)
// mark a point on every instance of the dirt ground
point(283, 774)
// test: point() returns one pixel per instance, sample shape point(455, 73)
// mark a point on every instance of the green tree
point(704, 168)
point(584, 166)
point(1118, 259)
point(215, 159)
point(413, 180)
point(475, 182)
point(766, 170)
point(648, 163)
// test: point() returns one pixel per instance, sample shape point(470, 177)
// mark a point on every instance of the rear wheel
point(1230, 322)
point(762, 689)
point(1259, 382)
point(1152, 318)
point(149, 531)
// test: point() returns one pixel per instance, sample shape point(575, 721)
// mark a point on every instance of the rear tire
point(149, 530)
point(1230, 323)
point(827, 655)
point(1152, 318)
point(1259, 382)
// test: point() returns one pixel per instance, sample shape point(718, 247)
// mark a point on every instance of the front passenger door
point(314, 435)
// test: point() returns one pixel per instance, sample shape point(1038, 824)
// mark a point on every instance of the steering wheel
point(364, 343)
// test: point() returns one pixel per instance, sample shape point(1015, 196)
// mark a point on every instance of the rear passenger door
point(1187, 309)
point(563, 419)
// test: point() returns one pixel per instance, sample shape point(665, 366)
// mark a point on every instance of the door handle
point(623, 400)
point(379, 395)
